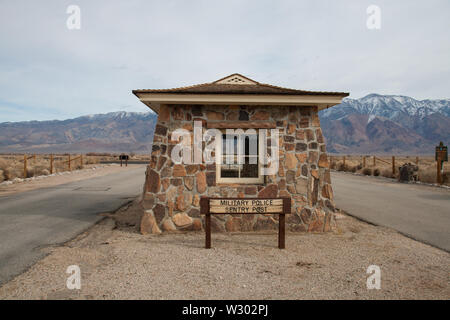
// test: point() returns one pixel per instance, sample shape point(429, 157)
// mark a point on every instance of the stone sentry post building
point(171, 198)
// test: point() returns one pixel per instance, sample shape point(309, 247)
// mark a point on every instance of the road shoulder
point(62, 178)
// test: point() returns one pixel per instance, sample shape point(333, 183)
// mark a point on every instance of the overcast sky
point(50, 72)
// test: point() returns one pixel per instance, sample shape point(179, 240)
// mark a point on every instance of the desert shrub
point(353, 169)
point(10, 173)
point(446, 177)
point(359, 167)
point(343, 167)
point(3, 164)
point(367, 171)
point(427, 174)
point(40, 170)
point(92, 160)
point(376, 172)
point(30, 172)
point(2, 177)
point(386, 173)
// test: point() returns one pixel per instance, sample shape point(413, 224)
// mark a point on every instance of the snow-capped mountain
point(111, 132)
point(426, 121)
point(388, 106)
point(372, 124)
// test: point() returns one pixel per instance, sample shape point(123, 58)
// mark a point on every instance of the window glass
point(239, 156)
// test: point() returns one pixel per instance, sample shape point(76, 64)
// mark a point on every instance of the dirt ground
point(91, 171)
point(117, 262)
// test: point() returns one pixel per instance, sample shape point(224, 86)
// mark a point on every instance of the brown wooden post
point(417, 161)
point(24, 166)
point(343, 161)
point(282, 223)
point(364, 161)
point(281, 231)
point(51, 164)
point(120, 160)
point(374, 161)
point(34, 158)
point(208, 231)
point(393, 165)
point(126, 161)
point(438, 171)
point(81, 160)
point(69, 163)
point(204, 209)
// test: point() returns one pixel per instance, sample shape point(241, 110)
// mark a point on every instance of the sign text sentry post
point(281, 206)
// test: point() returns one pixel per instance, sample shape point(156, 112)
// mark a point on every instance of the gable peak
point(236, 78)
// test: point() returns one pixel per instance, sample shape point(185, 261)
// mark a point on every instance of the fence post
point(374, 161)
point(69, 163)
point(344, 160)
point(438, 172)
point(51, 163)
point(81, 160)
point(393, 165)
point(417, 161)
point(24, 166)
point(364, 161)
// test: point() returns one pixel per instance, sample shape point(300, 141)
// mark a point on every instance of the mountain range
point(386, 124)
point(381, 124)
point(113, 132)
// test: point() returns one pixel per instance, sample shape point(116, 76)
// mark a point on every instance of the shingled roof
point(238, 84)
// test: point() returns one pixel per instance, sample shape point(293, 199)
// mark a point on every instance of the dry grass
point(427, 167)
point(12, 166)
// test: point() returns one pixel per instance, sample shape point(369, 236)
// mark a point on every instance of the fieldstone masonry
point(171, 199)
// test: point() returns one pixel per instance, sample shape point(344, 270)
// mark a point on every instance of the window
point(237, 157)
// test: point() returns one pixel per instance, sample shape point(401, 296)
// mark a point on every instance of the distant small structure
point(124, 157)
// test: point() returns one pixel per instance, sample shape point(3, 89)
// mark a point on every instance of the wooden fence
point(69, 162)
point(368, 160)
point(375, 159)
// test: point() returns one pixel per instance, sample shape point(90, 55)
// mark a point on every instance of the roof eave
point(322, 101)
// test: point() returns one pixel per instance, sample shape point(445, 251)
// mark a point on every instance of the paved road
point(35, 219)
point(419, 211)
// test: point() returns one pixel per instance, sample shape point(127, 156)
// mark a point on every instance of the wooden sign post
point(124, 157)
point(51, 163)
point(281, 206)
point(441, 156)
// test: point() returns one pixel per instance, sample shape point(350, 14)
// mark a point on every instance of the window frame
point(237, 180)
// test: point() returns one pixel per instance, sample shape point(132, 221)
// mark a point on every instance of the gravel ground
point(118, 263)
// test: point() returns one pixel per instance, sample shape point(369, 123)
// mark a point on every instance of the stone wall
point(172, 192)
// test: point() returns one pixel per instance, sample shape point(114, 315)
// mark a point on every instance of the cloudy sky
point(50, 72)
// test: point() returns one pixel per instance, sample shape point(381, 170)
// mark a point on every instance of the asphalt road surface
point(43, 217)
point(418, 211)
